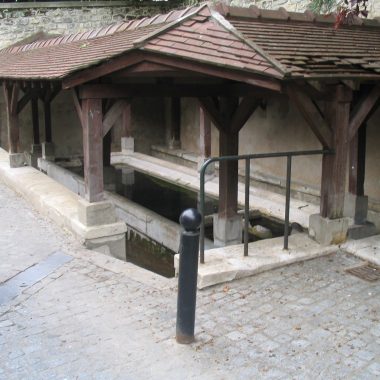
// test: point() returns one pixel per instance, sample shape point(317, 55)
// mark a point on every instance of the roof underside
point(272, 44)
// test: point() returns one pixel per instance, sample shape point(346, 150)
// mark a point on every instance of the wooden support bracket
point(113, 114)
point(361, 111)
point(312, 115)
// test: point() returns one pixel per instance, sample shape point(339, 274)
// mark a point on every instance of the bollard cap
point(190, 219)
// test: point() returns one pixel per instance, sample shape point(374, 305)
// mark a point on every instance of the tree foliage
point(346, 9)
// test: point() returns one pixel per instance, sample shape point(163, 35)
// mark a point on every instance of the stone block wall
point(21, 20)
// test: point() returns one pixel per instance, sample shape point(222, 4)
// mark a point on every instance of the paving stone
point(305, 321)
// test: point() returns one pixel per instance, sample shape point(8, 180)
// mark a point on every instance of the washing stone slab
point(228, 263)
point(367, 249)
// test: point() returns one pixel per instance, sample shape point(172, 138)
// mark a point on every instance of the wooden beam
point(357, 158)
point(334, 166)
point(77, 105)
point(212, 111)
point(246, 108)
point(11, 92)
point(228, 174)
point(312, 115)
point(113, 114)
point(362, 110)
point(93, 149)
point(133, 58)
point(23, 101)
point(117, 91)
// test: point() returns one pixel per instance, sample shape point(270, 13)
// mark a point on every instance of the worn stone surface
point(328, 231)
point(99, 318)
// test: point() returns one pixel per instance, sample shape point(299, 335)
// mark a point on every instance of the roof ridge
point(110, 29)
point(218, 16)
point(184, 16)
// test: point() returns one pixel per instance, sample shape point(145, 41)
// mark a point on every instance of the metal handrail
point(248, 158)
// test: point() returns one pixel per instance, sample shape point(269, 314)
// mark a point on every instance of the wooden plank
point(312, 115)
point(357, 158)
point(77, 105)
point(246, 108)
point(112, 115)
point(133, 58)
point(204, 134)
point(334, 167)
point(362, 110)
point(93, 149)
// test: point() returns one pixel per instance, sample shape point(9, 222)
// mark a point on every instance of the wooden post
point(11, 99)
point(47, 113)
point(107, 140)
point(204, 134)
point(228, 175)
point(357, 162)
point(35, 120)
point(334, 167)
point(93, 148)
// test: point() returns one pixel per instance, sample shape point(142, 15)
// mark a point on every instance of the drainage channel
point(13, 287)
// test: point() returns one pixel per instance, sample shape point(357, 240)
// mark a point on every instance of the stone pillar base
point(17, 160)
point(48, 151)
point(33, 156)
point(356, 207)
point(127, 144)
point(100, 228)
point(227, 231)
point(328, 231)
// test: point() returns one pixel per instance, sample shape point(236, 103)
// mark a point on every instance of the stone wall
point(298, 5)
point(21, 20)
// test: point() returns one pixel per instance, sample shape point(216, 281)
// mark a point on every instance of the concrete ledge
point(17, 160)
point(228, 263)
point(367, 249)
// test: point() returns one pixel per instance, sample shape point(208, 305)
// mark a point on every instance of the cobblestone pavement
point(87, 320)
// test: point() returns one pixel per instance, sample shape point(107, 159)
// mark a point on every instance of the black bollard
point(190, 220)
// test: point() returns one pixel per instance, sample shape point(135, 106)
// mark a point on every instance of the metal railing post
point(190, 220)
point(246, 205)
point(287, 200)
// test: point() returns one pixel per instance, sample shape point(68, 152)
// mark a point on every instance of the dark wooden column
point(35, 120)
point(47, 113)
point(92, 118)
point(334, 167)
point(228, 174)
point(204, 134)
point(357, 162)
point(11, 92)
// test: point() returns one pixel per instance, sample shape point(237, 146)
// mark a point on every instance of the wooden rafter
point(312, 115)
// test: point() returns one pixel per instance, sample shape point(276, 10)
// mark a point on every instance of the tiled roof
point(270, 43)
point(310, 46)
